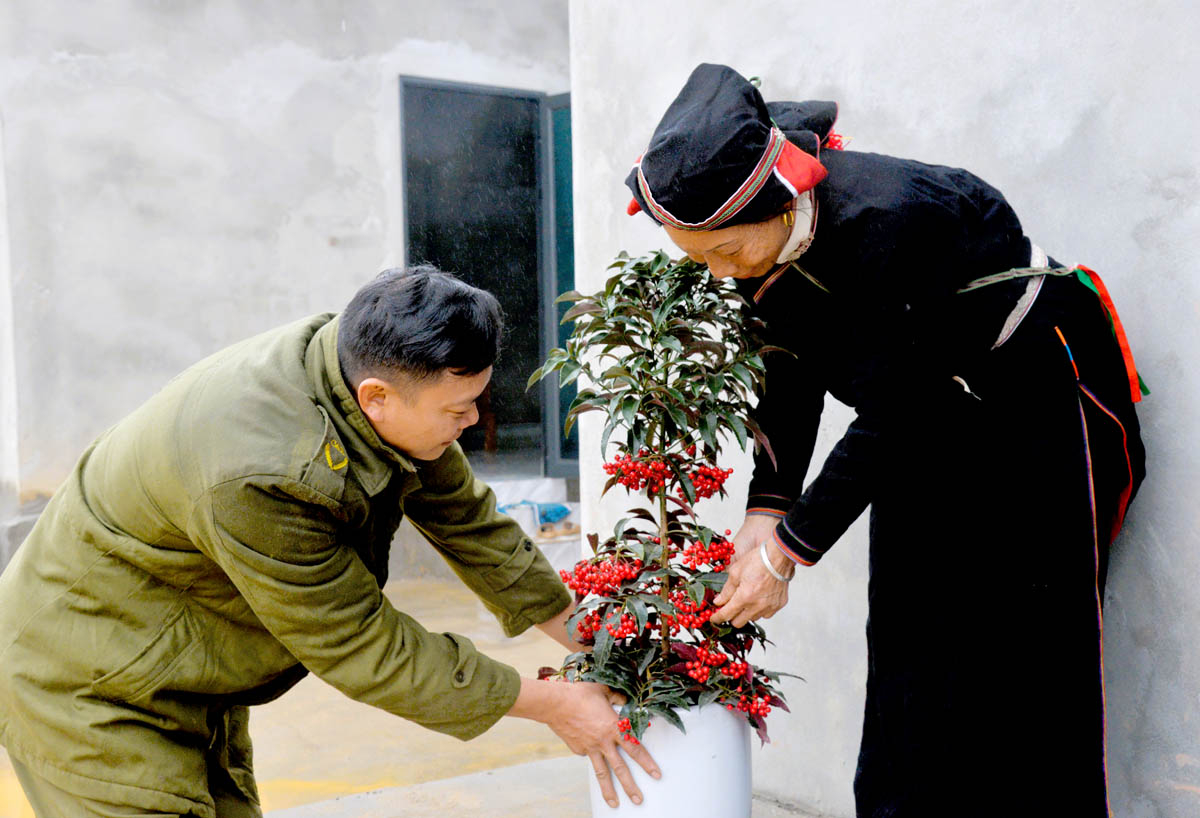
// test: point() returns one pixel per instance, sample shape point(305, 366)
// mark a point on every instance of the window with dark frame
point(486, 174)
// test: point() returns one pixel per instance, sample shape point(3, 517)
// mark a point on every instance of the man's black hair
point(416, 323)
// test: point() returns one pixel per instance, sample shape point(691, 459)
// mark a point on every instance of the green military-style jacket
point(229, 534)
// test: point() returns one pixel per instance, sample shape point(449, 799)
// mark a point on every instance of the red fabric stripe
point(801, 169)
point(1135, 391)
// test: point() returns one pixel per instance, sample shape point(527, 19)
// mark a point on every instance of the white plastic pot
point(705, 772)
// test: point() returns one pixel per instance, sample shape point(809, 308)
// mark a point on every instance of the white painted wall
point(9, 470)
point(183, 175)
point(1083, 114)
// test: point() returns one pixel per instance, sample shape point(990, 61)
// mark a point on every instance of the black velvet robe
point(991, 509)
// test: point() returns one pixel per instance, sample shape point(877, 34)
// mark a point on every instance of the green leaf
point(629, 408)
point(608, 430)
point(708, 430)
point(574, 619)
point(647, 660)
point(537, 375)
point(775, 675)
point(637, 549)
point(740, 372)
point(569, 372)
point(671, 342)
point(685, 482)
point(657, 602)
point(638, 608)
point(581, 309)
point(668, 714)
point(604, 644)
point(617, 371)
point(761, 439)
point(739, 430)
point(569, 296)
point(639, 720)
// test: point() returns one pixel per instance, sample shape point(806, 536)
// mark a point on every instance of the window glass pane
point(471, 193)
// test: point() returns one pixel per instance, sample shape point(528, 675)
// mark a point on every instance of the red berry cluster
point(600, 578)
point(589, 625)
point(638, 474)
point(708, 480)
point(718, 554)
point(735, 669)
point(627, 627)
point(705, 660)
point(690, 614)
point(626, 728)
point(754, 705)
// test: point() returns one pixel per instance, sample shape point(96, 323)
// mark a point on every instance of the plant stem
point(665, 564)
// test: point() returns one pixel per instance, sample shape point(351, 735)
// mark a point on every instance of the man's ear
point(373, 395)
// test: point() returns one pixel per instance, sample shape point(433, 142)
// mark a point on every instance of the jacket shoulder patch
point(329, 464)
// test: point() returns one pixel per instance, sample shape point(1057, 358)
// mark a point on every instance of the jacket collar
point(374, 458)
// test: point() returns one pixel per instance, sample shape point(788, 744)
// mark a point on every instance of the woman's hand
point(582, 715)
point(751, 592)
point(755, 529)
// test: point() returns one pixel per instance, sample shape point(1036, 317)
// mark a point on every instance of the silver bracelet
point(762, 552)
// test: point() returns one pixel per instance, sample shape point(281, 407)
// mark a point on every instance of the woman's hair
point(416, 323)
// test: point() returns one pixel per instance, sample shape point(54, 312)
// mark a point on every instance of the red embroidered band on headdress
point(796, 169)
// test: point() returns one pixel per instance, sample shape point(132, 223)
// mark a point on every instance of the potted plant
point(671, 357)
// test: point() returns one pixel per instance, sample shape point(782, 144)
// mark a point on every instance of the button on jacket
point(227, 536)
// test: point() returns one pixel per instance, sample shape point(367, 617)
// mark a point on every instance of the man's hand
point(751, 592)
point(581, 714)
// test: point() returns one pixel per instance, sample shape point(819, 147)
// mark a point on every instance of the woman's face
point(741, 251)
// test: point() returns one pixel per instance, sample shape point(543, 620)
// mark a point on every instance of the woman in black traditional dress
point(995, 441)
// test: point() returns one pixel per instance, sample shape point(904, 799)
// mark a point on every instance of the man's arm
point(487, 550)
point(279, 545)
point(556, 629)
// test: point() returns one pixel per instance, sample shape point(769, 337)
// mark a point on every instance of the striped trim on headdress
point(748, 190)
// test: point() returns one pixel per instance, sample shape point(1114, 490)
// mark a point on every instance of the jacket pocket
point(513, 567)
point(154, 666)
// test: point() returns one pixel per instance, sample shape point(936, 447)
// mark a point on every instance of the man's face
point(423, 419)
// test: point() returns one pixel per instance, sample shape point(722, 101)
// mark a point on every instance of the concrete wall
point(1081, 114)
point(182, 175)
point(9, 468)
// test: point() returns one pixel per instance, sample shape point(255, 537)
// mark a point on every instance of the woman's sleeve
point(835, 498)
point(789, 415)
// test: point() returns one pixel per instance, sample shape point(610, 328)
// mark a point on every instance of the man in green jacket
point(232, 534)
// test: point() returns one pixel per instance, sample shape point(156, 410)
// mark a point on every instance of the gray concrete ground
point(318, 753)
point(556, 787)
